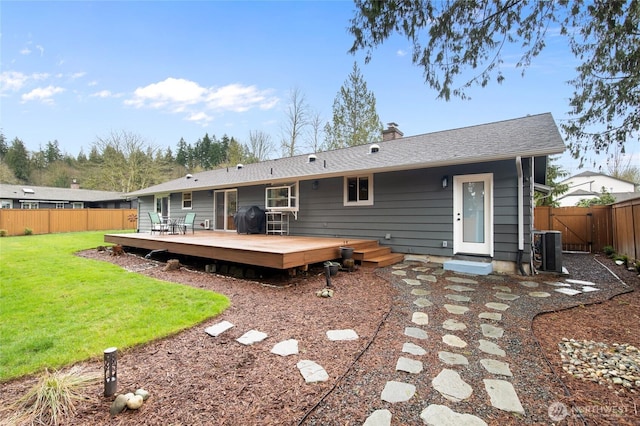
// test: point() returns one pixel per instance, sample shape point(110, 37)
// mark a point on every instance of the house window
point(186, 200)
point(78, 205)
point(6, 204)
point(29, 205)
point(358, 190)
point(59, 205)
point(282, 197)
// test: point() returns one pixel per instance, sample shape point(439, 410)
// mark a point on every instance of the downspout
point(520, 216)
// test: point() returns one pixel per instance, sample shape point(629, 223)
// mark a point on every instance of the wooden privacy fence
point(583, 228)
point(626, 228)
point(52, 221)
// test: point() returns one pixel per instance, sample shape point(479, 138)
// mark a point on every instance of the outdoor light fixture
point(315, 184)
point(445, 181)
point(110, 371)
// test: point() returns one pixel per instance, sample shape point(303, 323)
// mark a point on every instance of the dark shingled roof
point(47, 193)
point(531, 136)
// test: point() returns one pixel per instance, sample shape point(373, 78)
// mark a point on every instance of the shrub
point(53, 398)
point(608, 250)
point(624, 259)
point(3, 232)
point(28, 231)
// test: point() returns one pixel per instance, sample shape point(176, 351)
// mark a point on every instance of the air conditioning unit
point(548, 247)
point(207, 224)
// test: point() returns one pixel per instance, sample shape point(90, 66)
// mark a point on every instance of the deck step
point(468, 267)
point(369, 252)
point(383, 260)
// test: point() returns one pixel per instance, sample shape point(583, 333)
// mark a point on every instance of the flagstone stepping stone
point(439, 271)
point(494, 366)
point(568, 291)
point(423, 302)
point(558, 284)
point(400, 266)
point(452, 358)
point(428, 278)
point(420, 292)
point(420, 318)
point(409, 365)
point(311, 371)
point(453, 325)
point(378, 418)
point(507, 296)
point(451, 386)
point(503, 396)
point(410, 281)
point(492, 331)
point(458, 297)
point(219, 328)
point(503, 288)
point(415, 332)
point(457, 287)
point(579, 282)
point(400, 273)
point(588, 289)
point(530, 284)
point(497, 306)
point(286, 347)
point(461, 280)
point(539, 294)
point(456, 309)
point(454, 341)
point(421, 269)
point(413, 349)
point(347, 334)
point(496, 316)
point(490, 348)
point(251, 337)
point(441, 415)
point(397, 392)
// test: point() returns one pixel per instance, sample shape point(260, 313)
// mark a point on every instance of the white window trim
point(190, 200)
point(30, 204)
point(7, 203)
point(78, 205)
point(368, 202)
point(59, 205)
point(291, 199)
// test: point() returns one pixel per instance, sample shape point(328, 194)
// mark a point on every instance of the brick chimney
point(75, 184)
point(392, 132)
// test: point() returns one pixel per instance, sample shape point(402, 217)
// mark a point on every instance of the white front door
point(473, 214)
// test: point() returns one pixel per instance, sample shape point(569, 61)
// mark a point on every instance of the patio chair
point(157, 225)
point(189, 221)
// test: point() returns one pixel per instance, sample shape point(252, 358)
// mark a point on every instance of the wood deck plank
point(272, 251)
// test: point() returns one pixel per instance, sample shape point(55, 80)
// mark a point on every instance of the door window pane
point(473, 208)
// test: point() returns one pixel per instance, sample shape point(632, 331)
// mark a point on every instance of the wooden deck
point(270, 251)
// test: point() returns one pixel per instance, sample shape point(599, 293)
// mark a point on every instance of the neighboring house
point(43, 197)
point(464, 191)
point(588, 185)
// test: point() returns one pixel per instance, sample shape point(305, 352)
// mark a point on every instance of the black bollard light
point(110, 371)
point(327, 273)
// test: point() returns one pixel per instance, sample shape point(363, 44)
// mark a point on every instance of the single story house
point(462, 192)
point(588, 185)
point(44, 197)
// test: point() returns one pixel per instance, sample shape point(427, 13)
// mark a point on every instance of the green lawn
point(57, 308)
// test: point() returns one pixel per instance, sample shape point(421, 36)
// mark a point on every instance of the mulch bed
point(198, 380)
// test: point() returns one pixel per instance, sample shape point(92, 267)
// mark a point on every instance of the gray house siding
point(410, 208)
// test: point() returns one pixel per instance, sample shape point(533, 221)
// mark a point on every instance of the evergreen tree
point(555, 173)
point(17, 158)
point(355, 120)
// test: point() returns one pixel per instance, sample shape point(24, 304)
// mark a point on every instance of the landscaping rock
point(118, 404)
point(134, 402)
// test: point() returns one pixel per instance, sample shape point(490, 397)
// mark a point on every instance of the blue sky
point(75, 71)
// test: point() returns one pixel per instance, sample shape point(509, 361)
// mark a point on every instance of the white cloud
point(42, 94)
point(78, 75)
point(401, 52)
point(26, 51)
point(41, 49)
point(178, 95)
point(92, 83)
point(12, 81)
point(102, 94)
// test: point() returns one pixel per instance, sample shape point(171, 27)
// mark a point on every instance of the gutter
point(520, 216)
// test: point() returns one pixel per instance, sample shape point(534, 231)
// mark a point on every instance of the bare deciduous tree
point(297, 118)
